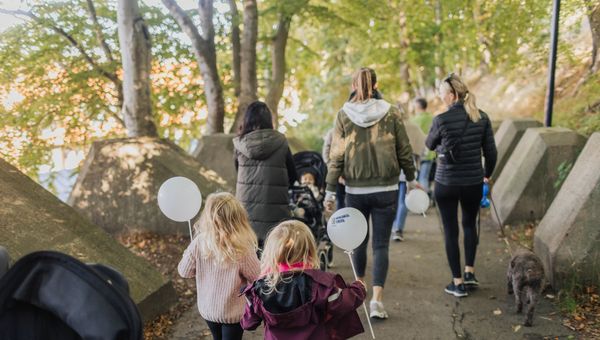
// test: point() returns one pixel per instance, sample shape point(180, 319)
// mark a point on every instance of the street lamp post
point(552, 62)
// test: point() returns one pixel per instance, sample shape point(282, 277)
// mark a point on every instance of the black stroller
point(302, 197)
point(49, 295)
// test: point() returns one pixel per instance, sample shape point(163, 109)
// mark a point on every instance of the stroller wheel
point(323, 261)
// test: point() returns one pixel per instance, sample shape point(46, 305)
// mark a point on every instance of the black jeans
point(447, 198)
point(225, 331)
point(381, 208)
point(340, 194)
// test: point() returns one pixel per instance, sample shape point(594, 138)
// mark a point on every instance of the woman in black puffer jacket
point(459, 136)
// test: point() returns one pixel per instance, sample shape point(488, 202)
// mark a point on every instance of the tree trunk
point(278, 45)
point(235, 46)
point(404, 47)
point(248, 62)
point(203, 44)
point(134, 41)
point(594, 18)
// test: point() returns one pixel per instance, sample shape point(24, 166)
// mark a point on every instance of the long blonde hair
point(223, 230)
point(453, 84)
point(288, 243)
point(363, 82)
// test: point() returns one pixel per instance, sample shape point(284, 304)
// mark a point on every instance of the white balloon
point(417, 201)
point(347, 228)
point(179, 199)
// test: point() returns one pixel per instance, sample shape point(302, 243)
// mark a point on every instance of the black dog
point(525, 278)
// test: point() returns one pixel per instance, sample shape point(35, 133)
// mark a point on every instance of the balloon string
point(190, 225)
point(350, 252)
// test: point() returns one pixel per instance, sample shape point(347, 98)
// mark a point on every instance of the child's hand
point(362, 283)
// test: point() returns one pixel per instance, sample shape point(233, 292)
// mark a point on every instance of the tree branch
point(186, 24)
point(111, 76)
point(99, 34)
point(236, 47)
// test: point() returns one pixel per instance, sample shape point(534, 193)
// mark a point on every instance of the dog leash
point(504, 237)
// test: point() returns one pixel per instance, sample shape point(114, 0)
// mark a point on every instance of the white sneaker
point(377, 310)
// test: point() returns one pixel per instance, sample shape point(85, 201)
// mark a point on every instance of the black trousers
point(447, 198)
point(381, 208)
point(225, 331)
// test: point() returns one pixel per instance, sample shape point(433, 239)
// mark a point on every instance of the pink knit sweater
point(218, 284)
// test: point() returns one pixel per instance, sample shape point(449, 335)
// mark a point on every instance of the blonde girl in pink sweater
point(222, 257)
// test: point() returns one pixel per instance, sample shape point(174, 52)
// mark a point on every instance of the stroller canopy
point(50, 295)
point(312, 162)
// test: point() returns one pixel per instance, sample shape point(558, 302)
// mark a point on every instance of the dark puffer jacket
point(445, 130)
point(265, 171)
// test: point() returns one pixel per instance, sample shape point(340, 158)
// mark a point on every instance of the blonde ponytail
point(363, 82)
point(471, 107)
point(456, 86)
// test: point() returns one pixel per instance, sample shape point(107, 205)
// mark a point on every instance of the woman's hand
point(329, 201)
point(341, 180)
point(486, 180)
point(415, 185)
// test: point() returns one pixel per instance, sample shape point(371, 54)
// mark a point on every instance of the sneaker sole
point(376, 315)
point(455, 293)
point(471, 283)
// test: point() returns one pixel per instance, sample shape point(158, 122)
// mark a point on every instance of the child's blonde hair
point(223, 229)
point(288, 243)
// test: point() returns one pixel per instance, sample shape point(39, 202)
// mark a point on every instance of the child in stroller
point(306, 201)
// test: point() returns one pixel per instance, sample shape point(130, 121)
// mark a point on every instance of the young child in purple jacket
point(296, 301)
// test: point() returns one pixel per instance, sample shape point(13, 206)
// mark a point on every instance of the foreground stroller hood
point(63, 298)
point(259, 144)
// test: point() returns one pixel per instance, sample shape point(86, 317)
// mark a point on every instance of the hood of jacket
point(302, 315)
point(367, 113)
point(259, 144)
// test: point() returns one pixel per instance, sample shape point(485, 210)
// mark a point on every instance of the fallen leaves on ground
point(164, 252)
point(586, 318)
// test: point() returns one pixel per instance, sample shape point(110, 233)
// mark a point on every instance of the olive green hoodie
point(369, 146)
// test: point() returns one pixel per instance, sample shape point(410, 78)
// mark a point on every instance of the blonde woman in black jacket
point(459, 136)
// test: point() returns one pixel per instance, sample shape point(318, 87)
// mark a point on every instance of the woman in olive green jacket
point(369, 147)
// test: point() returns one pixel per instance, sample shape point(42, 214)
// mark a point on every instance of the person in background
point(370, 146)
point(340, 193)
point(423, 119)
point(295, 299)
point(401, 211)
point(265, 170)
point(459, 135)
point(222, 258)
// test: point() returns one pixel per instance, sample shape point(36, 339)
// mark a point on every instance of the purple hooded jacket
point(330, 312)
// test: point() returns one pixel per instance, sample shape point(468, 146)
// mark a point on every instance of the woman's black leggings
point(225, 331)
point(447, 198)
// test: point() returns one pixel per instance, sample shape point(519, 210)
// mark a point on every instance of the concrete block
point(119, 181)
point(33, 219)
point(568, 237)
point(496, 123)
point(530, 180)
point(215, 152)
point(507, 137)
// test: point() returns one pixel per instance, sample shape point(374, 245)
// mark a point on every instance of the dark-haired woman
point(466, 131)
point(369, 147)
point(265, 170)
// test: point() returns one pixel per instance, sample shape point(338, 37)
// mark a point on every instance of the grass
point(580, 111)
